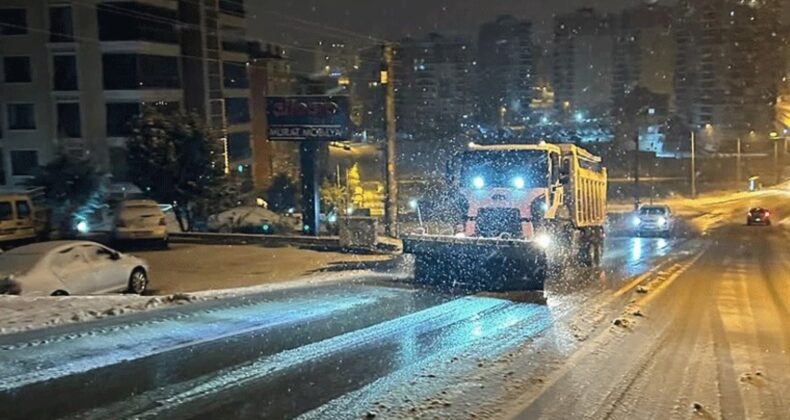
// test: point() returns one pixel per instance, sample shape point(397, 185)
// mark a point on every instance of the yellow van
point(20, 220)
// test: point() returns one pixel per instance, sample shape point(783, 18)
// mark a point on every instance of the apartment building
point(507, 70)
point(435, 76)
point(74, 74)
point(728, 68)
point(584, 63)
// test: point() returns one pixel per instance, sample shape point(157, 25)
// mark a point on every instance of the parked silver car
point(140, 220)
point(70, 268)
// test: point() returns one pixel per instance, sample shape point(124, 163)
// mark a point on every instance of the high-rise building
point(728, 67)
point(434, 79)
point(644, 53)
point(368, 94)
point(75, 74)
point(270, 75)
point(583, 63)
point(507, 70)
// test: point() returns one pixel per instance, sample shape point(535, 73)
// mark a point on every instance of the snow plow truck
point(529, 209)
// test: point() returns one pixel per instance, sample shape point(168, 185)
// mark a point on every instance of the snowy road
point(715, 343)
point(373, 347)
point(300, 347)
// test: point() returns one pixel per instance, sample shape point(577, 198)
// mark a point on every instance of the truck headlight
point(662, 221)
point(543, 240)
point(478, 182)
point(637, 221)
point(519, 183)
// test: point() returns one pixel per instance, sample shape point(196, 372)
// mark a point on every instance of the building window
point(239, 146)
point(22, 209)
point(132, 71)
point(232, 7)
point(235, 75)
point(61, 25)
point(21, 117)
point(17, 70)
point(159, 72)
point(119, 118)
point(13, 22)
point(69, 120)
point(237, 110)
point(65, 72)
point(131, 21)
point(24, 162)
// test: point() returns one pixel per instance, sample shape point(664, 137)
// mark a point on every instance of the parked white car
point(249, 219)
point(62, 268)
point(140, 220)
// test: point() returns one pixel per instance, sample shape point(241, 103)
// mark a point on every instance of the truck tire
point(598, 255)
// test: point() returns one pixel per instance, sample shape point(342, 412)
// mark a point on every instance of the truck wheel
point(537, 279)
point(599, 247)
point(587, 252)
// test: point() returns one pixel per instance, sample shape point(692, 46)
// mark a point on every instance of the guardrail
point(321, 243)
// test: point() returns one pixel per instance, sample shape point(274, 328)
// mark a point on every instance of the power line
point(326, 27)
point(175, 22)
point(180, 55)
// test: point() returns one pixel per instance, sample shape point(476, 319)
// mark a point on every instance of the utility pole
point(776, 161)
point(738, 164)
point(636, 172)
point(693, 166)
point(391, 207)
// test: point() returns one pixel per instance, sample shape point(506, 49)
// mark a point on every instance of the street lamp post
point(738, 163)
point(776, 161)
point(693, 165)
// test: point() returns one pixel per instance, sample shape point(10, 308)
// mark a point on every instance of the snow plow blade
point(477, 263)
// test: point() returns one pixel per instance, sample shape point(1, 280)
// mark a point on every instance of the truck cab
point(513, 191)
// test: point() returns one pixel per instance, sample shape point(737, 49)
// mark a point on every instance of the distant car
point(140, 220)
point(758, 216)
point(653, 219)
point(247, 219)
point(62, 268)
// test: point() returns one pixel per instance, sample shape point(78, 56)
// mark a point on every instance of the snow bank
point(21, 313)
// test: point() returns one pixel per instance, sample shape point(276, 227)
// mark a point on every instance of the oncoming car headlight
point(478, 182)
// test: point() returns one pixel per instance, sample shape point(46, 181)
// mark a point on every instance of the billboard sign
point(308, 118)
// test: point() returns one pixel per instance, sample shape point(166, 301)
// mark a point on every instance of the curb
point(329, 243)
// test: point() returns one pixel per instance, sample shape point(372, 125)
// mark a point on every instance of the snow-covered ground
point(193, 273)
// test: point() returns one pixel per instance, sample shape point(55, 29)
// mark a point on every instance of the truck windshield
point(510, 169)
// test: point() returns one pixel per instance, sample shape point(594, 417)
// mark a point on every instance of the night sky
point(395, 19)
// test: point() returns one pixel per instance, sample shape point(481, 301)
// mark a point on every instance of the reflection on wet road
point(282, 354)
